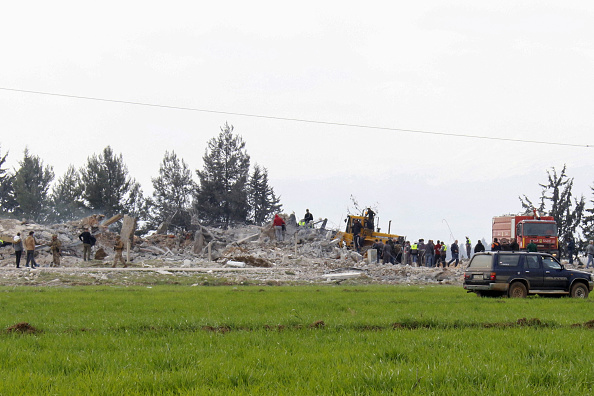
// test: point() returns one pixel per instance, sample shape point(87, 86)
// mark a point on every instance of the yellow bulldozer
point(368, 235)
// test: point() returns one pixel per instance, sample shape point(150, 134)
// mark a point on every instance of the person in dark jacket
point(387, 253)
point(513, 246)
point(479, 247)
point(429, 253)
point(357, 227)
point(308, 216)
point(379, 247)
point(455, 253)
point(85, 238)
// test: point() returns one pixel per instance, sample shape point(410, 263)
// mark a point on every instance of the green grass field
point(291, 340)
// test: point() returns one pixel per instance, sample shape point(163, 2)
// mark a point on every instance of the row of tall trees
point(225, 194)
point(574, 219)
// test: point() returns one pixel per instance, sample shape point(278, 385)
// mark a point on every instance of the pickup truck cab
point(517, 274)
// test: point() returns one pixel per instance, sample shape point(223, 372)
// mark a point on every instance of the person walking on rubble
point(30, 247)
point(455, 253)
point(17, 245)
point(85, 237)
point(119, 248)
point(55, 248)
point(278, 223)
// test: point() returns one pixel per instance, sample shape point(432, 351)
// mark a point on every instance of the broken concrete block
point(235, 264)
point(128, 229)
point(372, 256)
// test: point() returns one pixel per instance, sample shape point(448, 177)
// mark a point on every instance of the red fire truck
point(542, 230)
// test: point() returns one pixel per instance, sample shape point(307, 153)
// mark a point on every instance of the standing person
point(570, 249)
point(308, 217)
point(443, 253)
point(437, 251)
point(379, 247)
point(590, 253)
point(429, 253)
point(17, 244)
point(496, 246)
point(30, 247)
point(85, 238)
point(468, 247)
point(370, 214)
point(55, 248)
point(479, 247)
point(387, 253)
point(119, 248)
point(421, 249)
point(414, 252)
point(455, 253)
point(513, 246)
point(532, 247)
point(406, 253)
point(357, 227)
point(278, 223)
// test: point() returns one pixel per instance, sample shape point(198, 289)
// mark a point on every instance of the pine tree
point(221, 196)
point(66, 197)
point(262, 200)
point(173, 188)
point(31, 185)
point(107, 187)
point(7, 201)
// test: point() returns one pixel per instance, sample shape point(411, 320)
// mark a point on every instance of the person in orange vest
point(496, 246)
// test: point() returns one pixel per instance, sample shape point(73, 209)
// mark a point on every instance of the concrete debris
point(238, 254)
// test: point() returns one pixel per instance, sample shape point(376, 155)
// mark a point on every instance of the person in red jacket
point(278, 227)
point(437, 251)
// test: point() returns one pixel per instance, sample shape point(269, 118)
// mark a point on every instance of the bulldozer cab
point(368, 236)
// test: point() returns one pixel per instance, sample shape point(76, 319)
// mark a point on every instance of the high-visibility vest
point(414, 246)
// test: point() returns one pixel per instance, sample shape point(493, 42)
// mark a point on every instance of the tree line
point(575, 220)
point(228, 190)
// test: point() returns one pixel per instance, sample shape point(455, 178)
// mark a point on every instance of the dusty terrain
point(243, 255)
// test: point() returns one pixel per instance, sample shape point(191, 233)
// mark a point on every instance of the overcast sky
point(506, 69)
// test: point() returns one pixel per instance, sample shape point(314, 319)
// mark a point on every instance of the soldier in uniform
point(55, 248)
point(119, 248)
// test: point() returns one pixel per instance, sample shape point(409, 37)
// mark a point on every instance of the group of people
point(421, 253)
point(55, 246)
point(280, 227)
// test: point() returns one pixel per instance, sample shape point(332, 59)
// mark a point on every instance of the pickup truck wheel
point(517, 290)
point(579, 290)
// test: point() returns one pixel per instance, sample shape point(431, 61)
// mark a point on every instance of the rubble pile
point(245, 254)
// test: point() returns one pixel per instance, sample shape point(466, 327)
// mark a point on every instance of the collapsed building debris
point(243, 253)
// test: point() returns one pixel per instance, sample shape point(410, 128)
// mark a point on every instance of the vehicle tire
point(579, 290)
point(517, 290)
